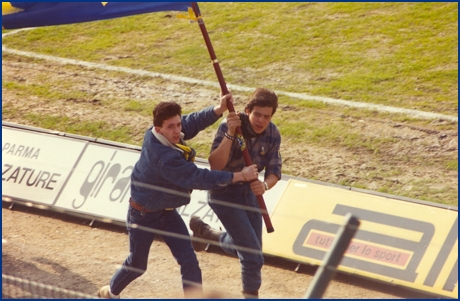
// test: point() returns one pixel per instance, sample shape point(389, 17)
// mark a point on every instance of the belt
point(143, 209)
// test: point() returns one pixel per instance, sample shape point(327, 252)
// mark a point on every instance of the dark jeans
point(140, 242)
point(244, 228)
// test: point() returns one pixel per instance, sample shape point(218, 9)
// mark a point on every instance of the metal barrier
point(332, 258)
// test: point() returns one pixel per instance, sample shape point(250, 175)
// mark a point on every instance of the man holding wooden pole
point(236, 205)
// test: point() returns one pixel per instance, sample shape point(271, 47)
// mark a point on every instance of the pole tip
point(270, 230)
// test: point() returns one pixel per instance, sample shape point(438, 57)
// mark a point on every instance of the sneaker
point(105, 293)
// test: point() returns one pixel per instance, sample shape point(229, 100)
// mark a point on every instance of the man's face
point(260, 118)
point(171, 129)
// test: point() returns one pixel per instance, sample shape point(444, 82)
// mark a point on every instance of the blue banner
point(35, 14)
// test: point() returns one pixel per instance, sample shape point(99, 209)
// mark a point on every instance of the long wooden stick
point(223, 87)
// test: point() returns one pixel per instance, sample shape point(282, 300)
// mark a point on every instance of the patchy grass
point(451, 165)
point(99, 129)
point(396, 54)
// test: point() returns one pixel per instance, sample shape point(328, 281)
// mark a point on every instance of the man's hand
point(258, 187)
point(250, 173)
point(222, 107)
point(233, 121)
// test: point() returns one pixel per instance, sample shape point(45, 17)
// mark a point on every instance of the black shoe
point(251, 295)
point(204, 231)
point(197, 226)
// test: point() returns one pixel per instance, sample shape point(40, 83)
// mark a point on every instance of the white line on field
point(333, 101)
point(15, 31)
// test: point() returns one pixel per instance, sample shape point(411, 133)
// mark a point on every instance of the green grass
point(451, 165)
point(397, 54)
point(37, 90)
point(442, 194)
point(138, 106)
point(75, 126)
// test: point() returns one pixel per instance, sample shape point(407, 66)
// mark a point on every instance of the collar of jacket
point(188, 152)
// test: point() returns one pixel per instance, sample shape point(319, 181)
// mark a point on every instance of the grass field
point(398, 54)
point(395, 54)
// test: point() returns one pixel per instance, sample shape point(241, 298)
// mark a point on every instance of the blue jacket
point(163, 178)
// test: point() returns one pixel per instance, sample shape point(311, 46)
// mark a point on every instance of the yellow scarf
point(189, 153)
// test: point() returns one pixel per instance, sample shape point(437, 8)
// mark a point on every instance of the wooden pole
point(223, 87)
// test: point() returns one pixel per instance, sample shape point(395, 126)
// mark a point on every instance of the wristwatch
point(266, 186)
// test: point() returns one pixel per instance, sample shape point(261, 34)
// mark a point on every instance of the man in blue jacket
point(162, 180)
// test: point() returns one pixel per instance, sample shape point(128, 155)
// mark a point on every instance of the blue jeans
point(244, 228)
point(140, 242)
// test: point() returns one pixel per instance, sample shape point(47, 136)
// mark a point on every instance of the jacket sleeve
point(195, 122)
point(187, 175)
point(274, 161)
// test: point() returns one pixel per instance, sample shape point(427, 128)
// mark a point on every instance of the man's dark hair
point(262, 97)
point(164, 111)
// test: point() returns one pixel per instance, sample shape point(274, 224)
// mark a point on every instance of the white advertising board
point(35, 166)
point(100, 183)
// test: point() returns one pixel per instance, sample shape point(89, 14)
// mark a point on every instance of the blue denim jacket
point(162, 177)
